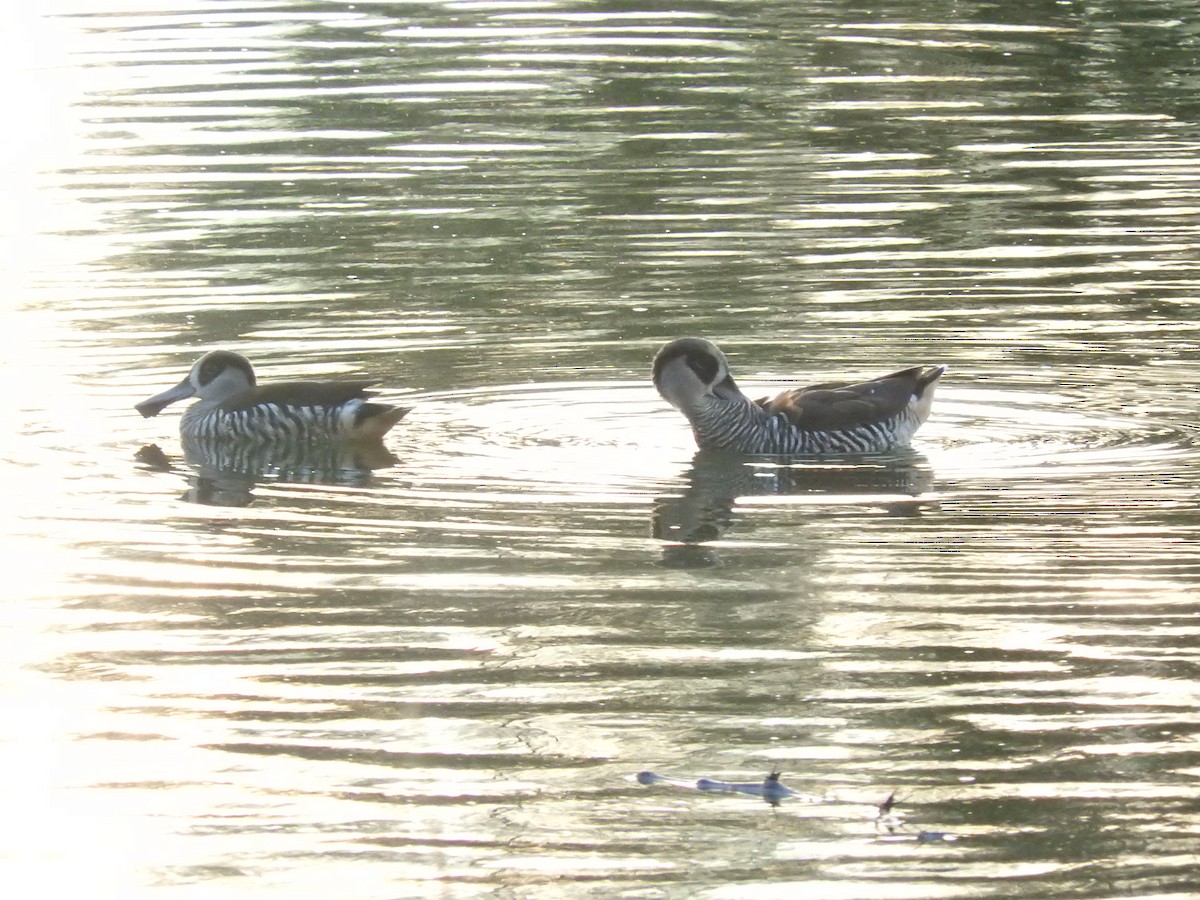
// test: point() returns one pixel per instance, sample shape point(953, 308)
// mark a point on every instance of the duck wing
point(300, 393)
point(839, 406)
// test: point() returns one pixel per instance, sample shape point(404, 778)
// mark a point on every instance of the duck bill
point(156, 404)
point(728, 390)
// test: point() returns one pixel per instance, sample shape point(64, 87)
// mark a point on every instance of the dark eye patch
point(704, 359)
point(704, 365)
point(211, 369)
point(220, 361)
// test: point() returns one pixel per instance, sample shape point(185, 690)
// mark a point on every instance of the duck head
point(689, 371)
point(215, 376)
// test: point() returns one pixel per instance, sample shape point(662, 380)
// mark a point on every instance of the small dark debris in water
point(774, 789)
point(886, 806)
point(887, 817)
point(893, 822)
point(152, 455)
point(771, 788)
point(933, 837)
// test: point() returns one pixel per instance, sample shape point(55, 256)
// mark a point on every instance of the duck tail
point(374, 420)
point(927, 382)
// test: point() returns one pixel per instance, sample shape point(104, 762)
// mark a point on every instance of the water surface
point(440, 676)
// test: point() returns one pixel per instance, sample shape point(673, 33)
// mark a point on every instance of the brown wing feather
point(300, 393)
point(838, 406)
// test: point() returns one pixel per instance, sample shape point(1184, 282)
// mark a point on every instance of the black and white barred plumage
point(271, 422)
point(692, 374)
point(235, 465)
point(233, 407)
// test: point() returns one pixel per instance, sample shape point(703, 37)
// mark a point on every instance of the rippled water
point(440, 674)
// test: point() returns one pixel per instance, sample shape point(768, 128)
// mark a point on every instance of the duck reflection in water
point(220, 474)
point(896, 482)
point(240, 433)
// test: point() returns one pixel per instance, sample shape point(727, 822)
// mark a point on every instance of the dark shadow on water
point(897, 483)
point(224, 473)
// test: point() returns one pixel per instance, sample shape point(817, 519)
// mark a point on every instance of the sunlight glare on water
point(437, 668)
